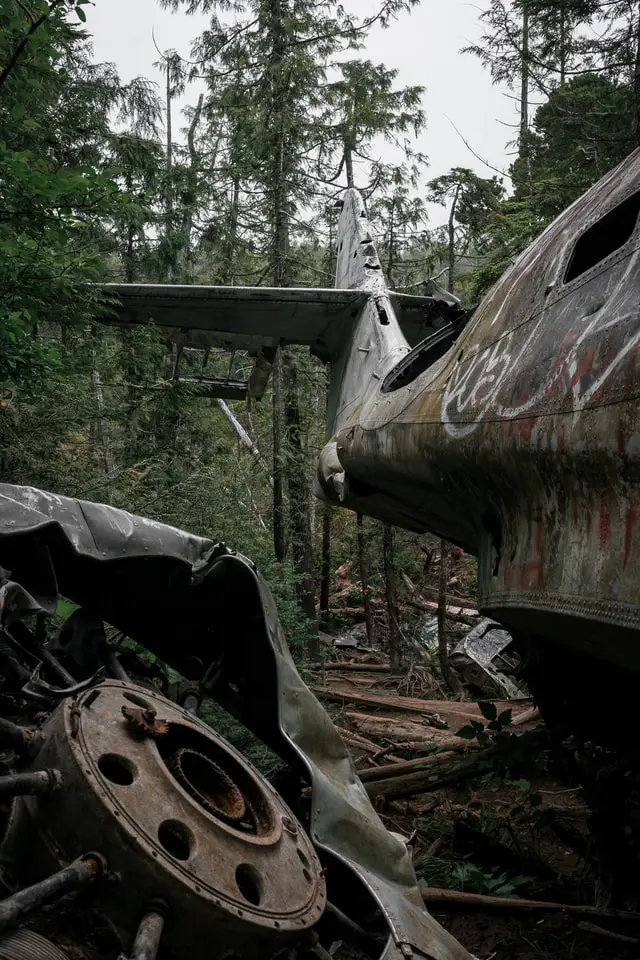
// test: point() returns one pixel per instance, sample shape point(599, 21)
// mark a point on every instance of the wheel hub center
point(208, 784)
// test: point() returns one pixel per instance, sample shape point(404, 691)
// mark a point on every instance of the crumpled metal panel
point(108, 560)
point(522, 442)
point(484, 642)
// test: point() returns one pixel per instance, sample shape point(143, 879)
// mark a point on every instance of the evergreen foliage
point(97, 184)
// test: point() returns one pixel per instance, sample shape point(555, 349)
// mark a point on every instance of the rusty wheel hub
point(208, 784)
point(179, 816)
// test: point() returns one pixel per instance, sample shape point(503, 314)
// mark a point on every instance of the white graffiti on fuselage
point(474, 393)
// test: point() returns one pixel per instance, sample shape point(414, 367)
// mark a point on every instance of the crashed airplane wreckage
point(130, 798)
point(512, 432)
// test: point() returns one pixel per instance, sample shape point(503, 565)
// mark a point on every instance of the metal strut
point(147, 941)
point(30, 784)
point(20, 739)
point(76, 875)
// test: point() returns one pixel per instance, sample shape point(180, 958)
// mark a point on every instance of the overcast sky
point(424, 47)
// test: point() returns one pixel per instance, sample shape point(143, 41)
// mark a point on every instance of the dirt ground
point(491, 936)
point(533, 835)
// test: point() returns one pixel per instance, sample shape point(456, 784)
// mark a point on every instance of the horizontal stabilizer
point(258, 319)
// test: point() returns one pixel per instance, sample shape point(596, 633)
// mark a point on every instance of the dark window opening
point(605, 237)
point(421, 358)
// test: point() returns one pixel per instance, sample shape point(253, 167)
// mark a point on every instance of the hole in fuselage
point(605, 237)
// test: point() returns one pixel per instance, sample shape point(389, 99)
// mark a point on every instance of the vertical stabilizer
point(374, 345)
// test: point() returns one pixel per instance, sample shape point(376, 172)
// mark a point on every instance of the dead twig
point(609, 934)
point(434, 848)
point(456, 898)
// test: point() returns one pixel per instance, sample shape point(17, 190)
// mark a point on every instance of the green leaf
point(505, 717)
point(81, 14)
point(467, 733)
point(488, 710)
point(64, 607)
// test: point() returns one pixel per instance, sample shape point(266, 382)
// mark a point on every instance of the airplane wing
point(257, 320)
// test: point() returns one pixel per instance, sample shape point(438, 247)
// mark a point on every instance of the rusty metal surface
point(144, 722)
point(84, 870)
point(147, 940)
point(234, 633)
point(257, 878)
point(28, 784)
point(522, 442)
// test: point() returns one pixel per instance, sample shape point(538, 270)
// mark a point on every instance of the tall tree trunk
point(227, 272)
point(169, 199)
point(395, 636)
point(449, 675)
point(392, 245)
point(452, 240)
point(101, 428)
point(129, 269)
point(279, 524)
point(101, 425)
point(299, 499)
point(129, 255)
point(279, 251)
point(563, 42)
point(523, 145)
point(636, 83)
point(192, 194)
point(364, 577)
point(348, 160)
point(325, 567)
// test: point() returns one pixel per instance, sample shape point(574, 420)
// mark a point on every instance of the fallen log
point(525, 717)
point(404, 766)
point(359, 667)
point(354, 680)
point(465, 615)
point(460, 712)
point(478, 900)
point(389, 729)
point(368, 745)
point(423, 781)
point(433, 592)
point(609, 934)
point(455, 743)
point(350, 611)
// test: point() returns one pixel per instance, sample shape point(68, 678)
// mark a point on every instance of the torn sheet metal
point(477, 659)
point(205, 611)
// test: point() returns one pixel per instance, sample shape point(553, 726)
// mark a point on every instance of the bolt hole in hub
point(249, 883)
point(176, 839)
point(117, 769)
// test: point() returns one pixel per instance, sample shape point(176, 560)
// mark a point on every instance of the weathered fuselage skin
point(522, 442)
